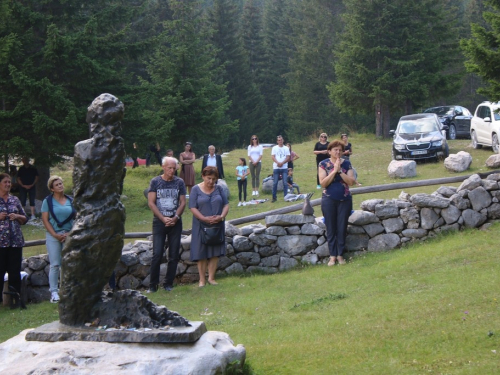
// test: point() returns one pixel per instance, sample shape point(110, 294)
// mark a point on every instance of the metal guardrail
point(315, 202)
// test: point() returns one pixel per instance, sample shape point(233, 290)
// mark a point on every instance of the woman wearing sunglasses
point(255, 152)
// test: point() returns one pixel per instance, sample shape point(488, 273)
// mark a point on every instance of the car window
point(496, 114)
point(418, 126)
point(466, 112)
point(486, 112)
point(482, 111)
point(406, 128)
point(426, 126)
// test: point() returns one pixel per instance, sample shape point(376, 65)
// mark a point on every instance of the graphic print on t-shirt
point(167, 201)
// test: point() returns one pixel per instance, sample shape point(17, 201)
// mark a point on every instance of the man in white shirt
point(212, 160)
point(281, 157)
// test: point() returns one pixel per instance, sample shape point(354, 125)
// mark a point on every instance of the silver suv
point(485, 126)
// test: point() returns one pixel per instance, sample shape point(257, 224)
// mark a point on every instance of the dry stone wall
point(285, 241)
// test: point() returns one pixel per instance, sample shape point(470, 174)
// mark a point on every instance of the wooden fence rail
point(316, 202)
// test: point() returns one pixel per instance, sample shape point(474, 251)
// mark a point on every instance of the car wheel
point(494, 143)
point(452, 132)
point(474, 140)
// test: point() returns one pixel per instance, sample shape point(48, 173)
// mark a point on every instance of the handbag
point(213, 234)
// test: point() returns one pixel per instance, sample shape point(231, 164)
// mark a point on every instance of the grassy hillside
point(371, 156)
point(431, 308)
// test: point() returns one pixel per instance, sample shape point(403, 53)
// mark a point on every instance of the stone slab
point(56, 331)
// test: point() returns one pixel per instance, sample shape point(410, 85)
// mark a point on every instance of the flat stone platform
point(57, 331)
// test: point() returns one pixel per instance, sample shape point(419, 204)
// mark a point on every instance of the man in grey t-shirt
point(167, 200)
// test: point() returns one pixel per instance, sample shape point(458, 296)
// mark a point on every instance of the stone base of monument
point(213, 353)
point(56, 331)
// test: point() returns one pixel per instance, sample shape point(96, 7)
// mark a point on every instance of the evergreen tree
point(182, 100)
point(393, 55)
point(278, 48)
point(247, 104)
point(58, 57)
point(483, 51)
point(314, 33)
point(251, 32)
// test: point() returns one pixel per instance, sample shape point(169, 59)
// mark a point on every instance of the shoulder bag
point(213, 234)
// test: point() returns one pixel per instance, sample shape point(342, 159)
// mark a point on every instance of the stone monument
point(95, 243)
point(96, 239)
point(121, 322)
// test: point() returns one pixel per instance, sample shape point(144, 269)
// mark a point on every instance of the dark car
point(419, 137)
point(456, 117)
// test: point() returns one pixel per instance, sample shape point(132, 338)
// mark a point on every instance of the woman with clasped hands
point(335, 176)
point(209, 204)
point(12, 216)
point(57, 218)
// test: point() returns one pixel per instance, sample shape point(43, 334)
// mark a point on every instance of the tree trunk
point(408, 107)
point(378, 120)
point(41, 186)
point(386, 119)
point(6, 163)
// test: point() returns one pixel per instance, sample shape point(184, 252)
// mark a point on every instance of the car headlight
point(399, 147)
point(437, 143)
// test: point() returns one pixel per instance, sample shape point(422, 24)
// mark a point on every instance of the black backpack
point(51, 210)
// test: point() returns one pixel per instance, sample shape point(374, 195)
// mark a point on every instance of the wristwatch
point(177, 216)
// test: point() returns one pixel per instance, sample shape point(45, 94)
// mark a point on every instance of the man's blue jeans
point(276, 175)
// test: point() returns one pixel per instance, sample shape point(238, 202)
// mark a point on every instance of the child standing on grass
point(241, 175)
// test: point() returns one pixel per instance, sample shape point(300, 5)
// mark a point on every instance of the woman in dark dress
point(320, 150)
point(335, 176)
point(12, 216)
point(209, 204)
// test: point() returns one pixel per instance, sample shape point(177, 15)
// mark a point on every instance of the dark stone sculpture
point(129, 308)
point(95, 242)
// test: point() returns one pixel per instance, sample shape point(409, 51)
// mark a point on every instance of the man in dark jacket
point(212, 160)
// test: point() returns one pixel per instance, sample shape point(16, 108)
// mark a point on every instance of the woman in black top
point(320, 150)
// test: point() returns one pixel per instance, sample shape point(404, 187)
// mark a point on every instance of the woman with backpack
point(57, 217)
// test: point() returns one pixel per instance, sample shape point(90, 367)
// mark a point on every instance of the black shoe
point(153, 289)
point(168, 288)
point(274, 200)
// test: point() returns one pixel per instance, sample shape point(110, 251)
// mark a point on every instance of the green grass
point(370, 158)
point(427, 308)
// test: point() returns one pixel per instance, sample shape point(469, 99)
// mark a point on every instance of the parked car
point(419, 137)
point(485, 126)
point(457, 118)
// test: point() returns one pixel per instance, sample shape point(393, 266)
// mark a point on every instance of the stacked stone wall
point(285, 241)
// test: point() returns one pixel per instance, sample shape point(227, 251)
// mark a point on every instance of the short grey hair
point(168, 158)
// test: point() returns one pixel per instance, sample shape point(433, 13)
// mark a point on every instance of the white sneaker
point(33, 217)
point(54, 297)
point(253, 192)
point(244, 204)
point(239, 204)
point(257, 193)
